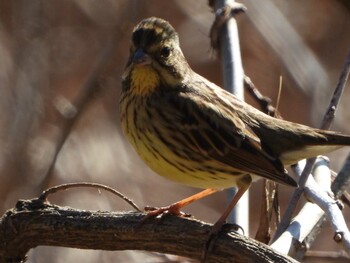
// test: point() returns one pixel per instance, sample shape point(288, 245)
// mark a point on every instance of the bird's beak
point(141, 58)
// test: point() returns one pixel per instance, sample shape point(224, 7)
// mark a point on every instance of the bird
point(191, 131)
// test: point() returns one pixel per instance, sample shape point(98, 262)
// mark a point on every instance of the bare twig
point(309, 208)
point(306, 227)
point(332, 210)
point(264, 102)
point(227, 35)
point(341, 182)
point(322, 203)
point(223, 13)
point(294, 199)
point(345, 198)
point(269, 200)
point(224, 35)
point(62, 187)
point(330, 113)
point(338, 188)
point(279, 94)
point(270, 196)
point(326, 123)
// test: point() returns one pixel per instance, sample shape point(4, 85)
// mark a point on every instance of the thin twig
point(63, 187)
point(291, 241)
point(270, 194)
point(331, 209)
point(345, 198)
point(264, 102)
point(338, 188)
point(326, 123)
point(330, 113)
point(279, 94)
point(341, 182)
point(222, 16)
point(224, 35)
point(306, 233)
point(268, 206)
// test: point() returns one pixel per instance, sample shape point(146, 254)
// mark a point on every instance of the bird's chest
point(144, 80)
point(133, 116)
point(146, 133)
point(138, 122)
point(154, 141)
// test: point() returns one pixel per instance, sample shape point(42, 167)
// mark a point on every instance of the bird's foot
point(163, 211)
point(214, 234)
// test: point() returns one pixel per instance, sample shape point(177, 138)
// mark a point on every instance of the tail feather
point(335, 138)
point(292, 157)
point(331, 141)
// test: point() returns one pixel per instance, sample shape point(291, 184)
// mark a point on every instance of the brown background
point(47, 52)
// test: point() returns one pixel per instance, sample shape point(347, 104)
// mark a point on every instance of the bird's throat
point(144, 79)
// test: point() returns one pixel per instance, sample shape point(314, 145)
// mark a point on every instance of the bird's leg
point(174, 208)
point(243, 184)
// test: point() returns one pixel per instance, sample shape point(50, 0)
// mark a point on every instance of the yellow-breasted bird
point(191, 131)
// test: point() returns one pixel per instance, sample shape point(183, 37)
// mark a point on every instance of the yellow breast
point(164, 162)
point(144, 79)
point(155, 151)
point(161, 159)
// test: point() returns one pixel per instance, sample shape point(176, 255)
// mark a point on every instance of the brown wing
point(211, 129)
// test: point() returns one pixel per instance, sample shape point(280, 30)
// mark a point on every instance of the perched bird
point(191, 131)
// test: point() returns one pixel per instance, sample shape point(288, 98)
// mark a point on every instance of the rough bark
point(33, 223)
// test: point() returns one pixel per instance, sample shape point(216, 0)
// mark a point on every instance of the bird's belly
point(166, 163)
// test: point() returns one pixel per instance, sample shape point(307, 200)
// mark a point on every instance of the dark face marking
point(144, 37)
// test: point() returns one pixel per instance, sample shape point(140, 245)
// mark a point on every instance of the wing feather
point(219, 133)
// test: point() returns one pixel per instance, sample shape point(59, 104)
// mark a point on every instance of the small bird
point(191, 131)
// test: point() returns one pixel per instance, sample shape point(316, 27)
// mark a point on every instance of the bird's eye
point(165, 52)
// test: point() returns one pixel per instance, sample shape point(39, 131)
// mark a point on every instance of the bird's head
point(156, 59)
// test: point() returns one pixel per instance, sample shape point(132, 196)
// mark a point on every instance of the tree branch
point(326, 123)
point(225, 39)
point(318, 192)
point(34, 223)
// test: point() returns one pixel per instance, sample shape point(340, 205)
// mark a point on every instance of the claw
point(213, 236)
point(163, 211)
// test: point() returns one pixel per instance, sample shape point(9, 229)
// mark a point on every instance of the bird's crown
point(153, 30)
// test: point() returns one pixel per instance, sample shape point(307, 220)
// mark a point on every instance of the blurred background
point(61, 63)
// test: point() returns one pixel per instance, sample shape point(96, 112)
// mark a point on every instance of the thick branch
point(33, 223)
